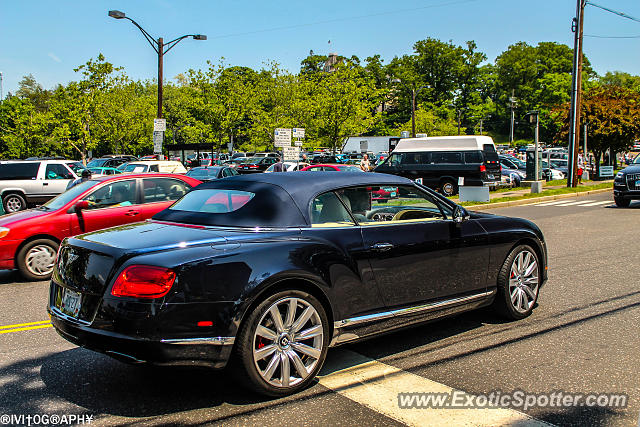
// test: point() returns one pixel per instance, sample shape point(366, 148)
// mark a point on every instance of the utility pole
point(512, 101)
point(1, 97)
point(576, 89)
point(413, 112)
point(160, 57)
point(481, 126)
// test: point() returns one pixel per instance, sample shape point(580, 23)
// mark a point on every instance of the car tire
point(14, 202)
point(621, 202)
point(263, 370)
point(448, 187)
point(37, 258)
point(518, 283)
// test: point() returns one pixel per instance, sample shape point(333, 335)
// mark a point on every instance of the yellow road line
point(6, 331)
point(25, 324)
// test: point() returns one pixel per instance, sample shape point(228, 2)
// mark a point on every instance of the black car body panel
point(223, 271)
point(625, 184)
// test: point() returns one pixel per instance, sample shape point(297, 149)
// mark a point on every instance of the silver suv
point(29, 182)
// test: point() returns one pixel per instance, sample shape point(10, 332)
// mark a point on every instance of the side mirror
point(460, 215)
point(82, 204)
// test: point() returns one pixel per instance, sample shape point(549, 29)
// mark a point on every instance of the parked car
point(270, 270)
point(515, 176)
point(104, 171)
point(256, 164)
point(26, 183)
point(29, 239)
point(266, 155)
point(626, 184)
point(289, 166)
point(163, 166)
point(209, 173)
point(332, 168)
point(441, 161)
point(511, 162)
point(108, 162)
point(323, 158)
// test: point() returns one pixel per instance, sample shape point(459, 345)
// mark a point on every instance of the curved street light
point(159, 46)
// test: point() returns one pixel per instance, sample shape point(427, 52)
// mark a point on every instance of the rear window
point(490, 154)
point(213, 201)
point(138, 168)
point(15, 171)
point(348, 168)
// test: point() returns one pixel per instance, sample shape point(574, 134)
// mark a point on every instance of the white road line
point(376, 385)
point(555, 202)
point(606, 202)
point(579, 202)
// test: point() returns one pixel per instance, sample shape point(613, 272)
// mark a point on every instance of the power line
point(329, 21)
point(615, 12)
point(611, 37)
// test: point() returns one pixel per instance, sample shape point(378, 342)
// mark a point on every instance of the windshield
point(95, 163)
point(347, 168)
point(76, 167)
point(203, 172)
point(636, 161)
point(135, 167)
point(69, 195)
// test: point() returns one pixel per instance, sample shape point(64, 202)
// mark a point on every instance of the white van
point(163, 166)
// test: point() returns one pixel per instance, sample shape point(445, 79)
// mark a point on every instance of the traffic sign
point(282, 144)
point(291, 154)
point(298, 132)
point(298, 143)
point(282, 135)
point(157, 142)
point(159, 125)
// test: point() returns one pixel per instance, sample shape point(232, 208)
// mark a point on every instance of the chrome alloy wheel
point(13, 204)
point(288, 341)
point(523, 281)
point(40, 260)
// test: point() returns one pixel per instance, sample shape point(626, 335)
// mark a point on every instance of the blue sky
point(49, 38)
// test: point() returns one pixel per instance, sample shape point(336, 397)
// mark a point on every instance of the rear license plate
point(638, 183)
point(393, 194)
point(70, 303)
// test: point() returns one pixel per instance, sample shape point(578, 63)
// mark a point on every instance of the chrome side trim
point(206, 340)
point(410, 310)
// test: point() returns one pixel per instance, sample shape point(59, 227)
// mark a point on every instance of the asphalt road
point(583, 337)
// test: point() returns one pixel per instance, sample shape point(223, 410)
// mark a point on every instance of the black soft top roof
point(281, 199)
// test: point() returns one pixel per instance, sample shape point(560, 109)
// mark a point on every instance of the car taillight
point(143, 281)
point(483, 168)
point(253, 166)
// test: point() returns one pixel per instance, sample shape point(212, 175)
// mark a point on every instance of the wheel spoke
point(285, 374)
point(266, 332)
point(530, 269)
point(527, 290)
point(533, 280)
point(291, 312)
point(297, 362)
point(514, 295)
point(526, 261)
point(519, 267)
point(302, 320)
point(313, 331)
point(519, 299)
point(271, 367)
point(277, 318)
point(309, 351)
point(264, 352)
point(524, 302)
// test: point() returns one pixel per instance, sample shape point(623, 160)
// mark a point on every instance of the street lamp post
point(414, 94)
point(159, 46)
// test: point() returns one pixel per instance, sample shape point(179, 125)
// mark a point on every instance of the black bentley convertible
point(270, 270)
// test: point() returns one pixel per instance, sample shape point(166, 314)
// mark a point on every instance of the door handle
point(132, 213)
point(382, 247)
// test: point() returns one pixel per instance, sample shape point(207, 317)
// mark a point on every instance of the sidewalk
point(526, 191)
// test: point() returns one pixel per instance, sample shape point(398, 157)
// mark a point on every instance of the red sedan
point(29, 239)
point(332, 167)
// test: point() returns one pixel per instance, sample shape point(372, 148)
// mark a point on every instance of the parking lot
point(582, 338)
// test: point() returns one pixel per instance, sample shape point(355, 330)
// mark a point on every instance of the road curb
point(535, 200)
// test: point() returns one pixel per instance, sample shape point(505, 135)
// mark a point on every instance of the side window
point(57, 171)
point(154, 168)
point(328, 211)
point(444, 157)
point(163, 189)
point(385, 205)
point(472, 157)
point(121, 193)
point(395, 159)
point(416, 158)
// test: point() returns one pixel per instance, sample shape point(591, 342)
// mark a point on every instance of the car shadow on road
point(10, 276)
